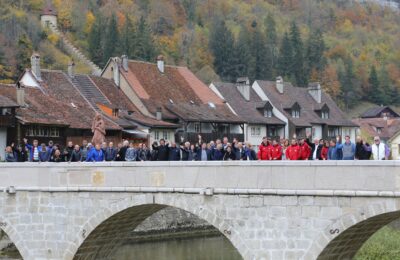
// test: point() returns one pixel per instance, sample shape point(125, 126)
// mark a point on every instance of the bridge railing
point(344, 178)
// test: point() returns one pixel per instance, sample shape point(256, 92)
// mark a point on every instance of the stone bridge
point(267, 210)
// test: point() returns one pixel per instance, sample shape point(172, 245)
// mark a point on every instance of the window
point(295, 113)
point(379, 130)
point(324, 114)
point(43, 131)
point(255, 131)
point(6, 111)
point(333, 131)
point(197, 127)
point(156, 135)
point(296, 110)
point(165, 135)
point(268, 112)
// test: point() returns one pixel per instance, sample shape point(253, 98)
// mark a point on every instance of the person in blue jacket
point(95, 155)
point(334, 151)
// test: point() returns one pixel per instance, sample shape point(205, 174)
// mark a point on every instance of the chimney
point(160, 63)
point(21, 95)
point(159, 114)
point(35, 66)
point(314, 89)
point(71, 69)
point(279, 84)
point(115, 68)
point(243, 85)
point(124, 59)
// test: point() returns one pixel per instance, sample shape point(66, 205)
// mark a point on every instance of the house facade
point(306, 111)
point(7, 120)
point(382, 121)
point(174, 94)
point(260, 119)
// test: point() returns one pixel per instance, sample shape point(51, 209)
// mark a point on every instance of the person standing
point(10, 155)
point(96, 154)
point(110, 152)
point(84, 150)
point(380, 151)
point(34, 150)
point(57, 156)
point(44, 154)
point(186, 151)
point(76, 155)
point(122, 152)
point(204, 154)
point(349, 149)
point(335, 149)
point(264, 150)
point(276, 151)
point(162, 150)
point(293, 151)
point(174, 153)
point(363, 149)
point(68, 151)
point(239, 151)
point(229, 154)
point(131, 154)
point(325, 150)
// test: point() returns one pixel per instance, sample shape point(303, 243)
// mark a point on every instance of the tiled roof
point(177, 85)
point(7, 102)
point(49, 10)
point(119, 100)
point(388, 127)
point(251, 111)
point(309, 107)
point(376, 112)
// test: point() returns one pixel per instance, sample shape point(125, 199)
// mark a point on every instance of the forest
point(351, 48)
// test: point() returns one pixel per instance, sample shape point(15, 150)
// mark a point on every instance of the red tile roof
point(388, 127)
point(177, 85)
point(6, 102)
point(49, 10)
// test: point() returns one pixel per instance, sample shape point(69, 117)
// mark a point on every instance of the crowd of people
point(218, 150)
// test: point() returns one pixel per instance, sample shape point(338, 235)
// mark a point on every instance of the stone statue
point(98, 130)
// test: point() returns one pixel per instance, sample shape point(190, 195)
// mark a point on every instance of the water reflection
point(199, 248)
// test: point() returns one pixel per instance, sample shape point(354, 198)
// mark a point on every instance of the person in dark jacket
point(44, 154)
point(193, 152)
point(10, 155)
point(186, 152)
point(249, 153)
point(122, 152)
point(84, 150)
point(174, 153)
point(219, 153)
point(21, 153)
point(203, 154)
point(76, 155)
point(229, 154)
point(68, 151)
point(110, 152)
point(143, 153)
point(363, 149)
point(238, 150)
point(57, 156)
point(162, 151)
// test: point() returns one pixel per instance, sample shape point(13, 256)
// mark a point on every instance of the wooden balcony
point(7, 120)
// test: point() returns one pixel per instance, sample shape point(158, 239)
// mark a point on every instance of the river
point(204, 248)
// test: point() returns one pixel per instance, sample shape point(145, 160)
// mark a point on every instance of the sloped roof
point(6, 102)
point(309, 107)
point(250, 110)
point(388, 127)
point(128, 111)
point(376, 112)
point(49, 10)
point(177, 85)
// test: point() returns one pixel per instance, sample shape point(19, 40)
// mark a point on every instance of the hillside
point(351, 47)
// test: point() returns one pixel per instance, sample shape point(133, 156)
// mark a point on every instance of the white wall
point(255, 140)
point(395, 147)
point(317, 132)
point(3, 142)
point(170, 135)
point(50, 18)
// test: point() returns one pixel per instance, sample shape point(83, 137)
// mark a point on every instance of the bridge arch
point(343, 238)
point(14, 236)
point(107, 229)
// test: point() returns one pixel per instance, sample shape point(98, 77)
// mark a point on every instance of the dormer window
point(296, 111)
point(115, 112)
point(379, 130)
point(268, 110)
point(325, 112)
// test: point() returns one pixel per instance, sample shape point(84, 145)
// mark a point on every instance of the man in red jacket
point(264, 150)
point(293, 151)
point(276, 151)
point(305, 150)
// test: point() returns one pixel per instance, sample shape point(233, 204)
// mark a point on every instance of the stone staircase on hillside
point(90, 91)
point(72, 50)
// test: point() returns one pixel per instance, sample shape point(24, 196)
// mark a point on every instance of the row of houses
point(143, 102)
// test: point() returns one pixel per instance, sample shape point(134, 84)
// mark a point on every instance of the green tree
point(285, 60)
point(388, 94)
point(243, 58)
point(221, 45)
point(24, 53)
point(5, 73)
point(95, 41)
point(144, 47)
point(298, 56)
point(111, 39)
point(262, 67)
point(272, 44)
point(376, 94)
point(348, 85)
point(128, 38)
point(315, 52)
